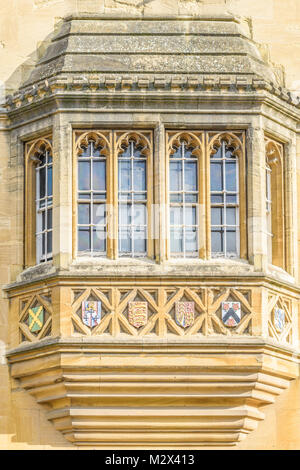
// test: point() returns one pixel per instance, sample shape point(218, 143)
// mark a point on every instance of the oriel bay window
point(113, 196)
point(204, 181)
point(38, 201)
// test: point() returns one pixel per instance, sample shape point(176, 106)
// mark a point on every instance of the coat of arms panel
point(279, 319)
point(91, 313)
point(36, 319)
point(231, 313)
point(184, 313)
point(138, 314)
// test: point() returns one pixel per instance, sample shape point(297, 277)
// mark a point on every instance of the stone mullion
point(256, 190)
point(290, 171)
point(62, 311)
point(159, 217)
point(14, 319)
point(260, 318)
point(161, 328)
point(62, 192)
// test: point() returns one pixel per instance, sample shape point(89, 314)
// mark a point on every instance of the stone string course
point(137, 84)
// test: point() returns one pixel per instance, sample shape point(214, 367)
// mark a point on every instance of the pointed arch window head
point(132, 197)
point(225, 197)
point(184, 198)
point(92, 196)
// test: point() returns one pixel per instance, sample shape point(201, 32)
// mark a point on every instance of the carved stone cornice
point(135, 84)
point(179, 394)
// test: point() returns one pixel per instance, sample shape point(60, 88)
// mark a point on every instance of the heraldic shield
point(91, 313)
point(137, 313)
point(279, 319)
point(231, 313)
point(184, 313)
point(36, 319)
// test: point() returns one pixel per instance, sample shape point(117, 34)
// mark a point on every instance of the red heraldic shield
point(184, 313)
point(138, 313)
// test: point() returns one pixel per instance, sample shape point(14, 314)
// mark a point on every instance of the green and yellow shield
point(36, 319)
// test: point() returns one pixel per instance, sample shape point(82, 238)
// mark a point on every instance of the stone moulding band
point(140, 84)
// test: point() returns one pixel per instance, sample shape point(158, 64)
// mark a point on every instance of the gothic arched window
point(184, 198)
point(224, 201)
point(132, 196)
point(39, 202)
point(92, 197)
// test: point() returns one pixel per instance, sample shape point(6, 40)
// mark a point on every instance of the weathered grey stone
point(195, 45)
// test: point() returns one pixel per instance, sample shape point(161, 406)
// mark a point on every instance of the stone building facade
point(149, 214)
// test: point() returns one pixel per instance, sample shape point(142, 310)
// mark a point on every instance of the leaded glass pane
point(190, 176)
point(139, 237)
point(99, 240)
point(216, 241)
point(231, 241)
point(99, 176)
point(216, 177)
point(99, 214)
point(124, 176)
point(231, 180)
point(139, 214)
point(84, 239)
point(216, 216)
point(125, 214)
point(139, 176)
point(190, 215)
point(84, 214)
point(176, 197)
point(176, 240)
point(176, 215)
point(190, 240)
point(175, 176)
point(84, 175)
